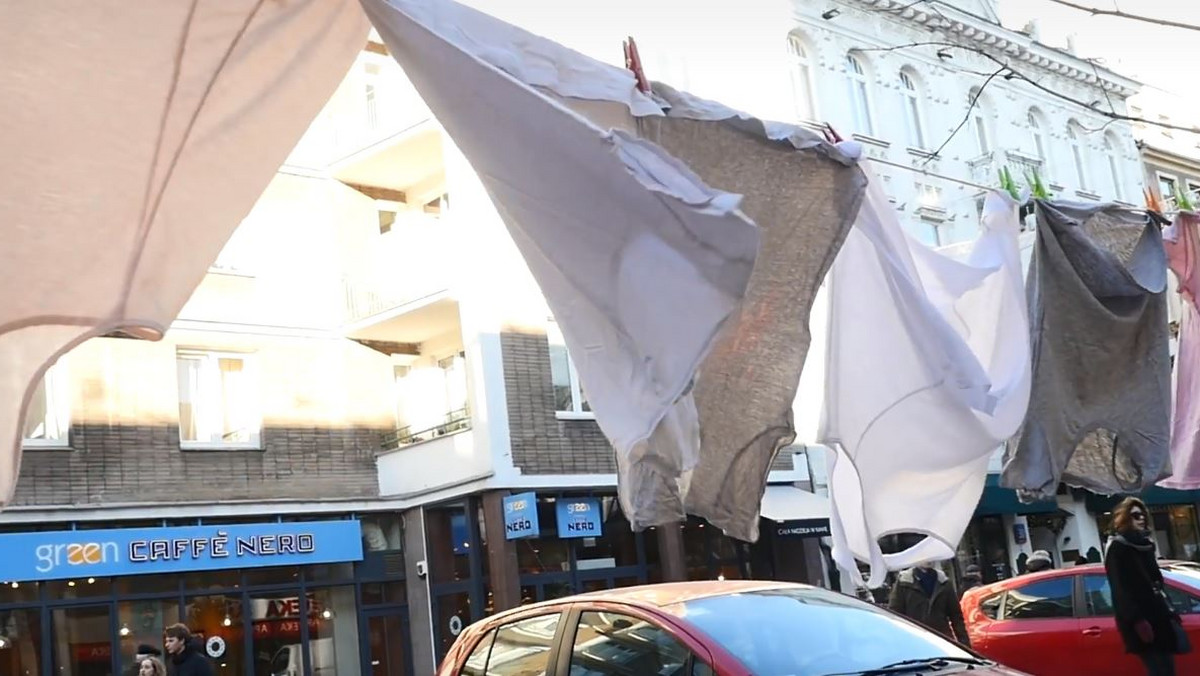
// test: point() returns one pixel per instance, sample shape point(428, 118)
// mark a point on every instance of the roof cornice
point(976, 32)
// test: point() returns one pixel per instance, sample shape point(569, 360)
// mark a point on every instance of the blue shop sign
point(520, 516)
point(579, 517)
point(58, 555)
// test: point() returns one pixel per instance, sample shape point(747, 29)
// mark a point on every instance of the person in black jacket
point(1144, 617)
point(187, 658)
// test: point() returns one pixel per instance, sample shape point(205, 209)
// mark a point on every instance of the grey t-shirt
point(1100, 410)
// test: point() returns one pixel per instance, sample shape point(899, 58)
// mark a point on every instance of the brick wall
point(128, 463)
point(541, 443)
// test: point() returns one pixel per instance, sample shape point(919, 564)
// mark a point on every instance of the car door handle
point(1091, 631)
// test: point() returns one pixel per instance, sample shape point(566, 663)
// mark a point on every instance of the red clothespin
point(831, 134)
point(634, 63)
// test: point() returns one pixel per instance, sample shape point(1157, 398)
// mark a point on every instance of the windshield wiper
point(931, 663)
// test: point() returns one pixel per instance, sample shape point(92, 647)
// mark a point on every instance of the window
point(476, 664)
point(608, 643)
point(911, 101)
point(1183, 602)
point(1037, 135)
point(1041, 600)
point(1114, 166)
point(568, 393)
point(860, 100)
point(1166, 188)
point(978, 121)
point(218, 400)
point(48, 418)
point(1078, 153)
point(990, 607)
point(803, 92)
point(371, 71)
point(523, 648)
point(1098, 595)
point(1193, 189)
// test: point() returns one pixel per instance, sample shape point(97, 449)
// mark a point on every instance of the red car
point(707, 629)
point(1060, 622)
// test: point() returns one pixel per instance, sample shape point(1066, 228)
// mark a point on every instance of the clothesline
point(926, 172)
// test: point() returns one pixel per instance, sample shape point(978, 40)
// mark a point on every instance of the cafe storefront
point(265, 596)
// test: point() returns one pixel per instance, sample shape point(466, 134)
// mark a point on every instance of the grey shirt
point(1100, 410)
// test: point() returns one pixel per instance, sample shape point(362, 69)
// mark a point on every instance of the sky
point(1161, 57)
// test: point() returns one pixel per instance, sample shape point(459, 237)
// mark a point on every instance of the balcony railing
point(456, 421)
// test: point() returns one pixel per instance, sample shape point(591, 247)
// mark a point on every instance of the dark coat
point(192, 661)
point(939, 612)
point(1135, 579)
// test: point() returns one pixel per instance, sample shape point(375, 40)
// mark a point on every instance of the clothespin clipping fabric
point(633, 61)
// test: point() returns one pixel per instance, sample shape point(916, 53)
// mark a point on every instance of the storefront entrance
point(327, 618)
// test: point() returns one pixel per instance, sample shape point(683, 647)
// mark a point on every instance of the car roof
point(1095, 568)
point(658, 595)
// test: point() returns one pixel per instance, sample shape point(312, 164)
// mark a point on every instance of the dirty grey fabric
point(1100, 413)
point(804, 198)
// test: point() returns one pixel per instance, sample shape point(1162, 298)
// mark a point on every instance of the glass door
point(83, 641)
point(385, 644)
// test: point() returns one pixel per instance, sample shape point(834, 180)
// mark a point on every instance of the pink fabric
point(1182, 242)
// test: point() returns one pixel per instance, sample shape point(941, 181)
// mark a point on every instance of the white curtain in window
point(238, 419)
point(860, 100)
point(1078, 154)
point(802, 80)
point(1035, 133)
point(911, 102)
point(1114, 171)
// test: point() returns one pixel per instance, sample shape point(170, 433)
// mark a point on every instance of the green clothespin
point(1182, 201)
point(1008, 184)
point(1037, 187)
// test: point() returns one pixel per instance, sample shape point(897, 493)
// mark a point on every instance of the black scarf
point(1138, 539)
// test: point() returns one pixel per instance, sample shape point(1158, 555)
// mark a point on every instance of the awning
point(1155, 495)
point(788, 503)
point(999, 500)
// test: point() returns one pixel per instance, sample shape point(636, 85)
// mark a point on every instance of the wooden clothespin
point(1154, 210)
point(633, 61)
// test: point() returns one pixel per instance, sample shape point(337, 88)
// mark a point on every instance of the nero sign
point(60, 555)
point(578, 517)
point(520, 516)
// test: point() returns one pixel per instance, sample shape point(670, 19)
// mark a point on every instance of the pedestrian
point(151, 666)
point(185, 651)
point(1040, 561)
point(143, 651)
point(972, 577)
point(926, 595)
point(1145, 619)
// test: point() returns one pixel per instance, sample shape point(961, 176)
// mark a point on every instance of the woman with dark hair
point(1144, 617)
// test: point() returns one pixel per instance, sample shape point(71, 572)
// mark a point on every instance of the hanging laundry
point(137, 141)
point(928, 372)
point(1100, 411)
point(1182, 242)
point(606, 192)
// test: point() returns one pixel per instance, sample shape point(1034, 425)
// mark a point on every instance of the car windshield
point(810, 632)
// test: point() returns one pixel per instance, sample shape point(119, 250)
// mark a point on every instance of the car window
point(1183, 602)
point(523, 648)
point(990, 606)
point(799, 630)
point(476, 664)
point(1041, 600)
point(610, 643)
point(1098, 595)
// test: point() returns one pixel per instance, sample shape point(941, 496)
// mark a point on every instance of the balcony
point(986, 168)
point(456, 421)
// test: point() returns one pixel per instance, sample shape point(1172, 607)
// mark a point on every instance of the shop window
point(218, 400)
point(476, 664)
point(278, 575)
point(141, 622)
point(329, 572)
point(608, 643)
point(384, 593)
point(275, 619)
point(523, 648)
point(616, 546)
point(1098, 595)
point(449, 541)
point(387, 645)
point(451, 614)
point(79, 588)
point(208, 580)
point(220, 615)
point(546, 553)
point(21, 641)
point(333, 648)
point(17, 592)
point(82, 641)
point(383, 533)
point(1041, 600)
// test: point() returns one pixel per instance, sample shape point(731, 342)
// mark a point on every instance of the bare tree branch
point(1096, 11)
point(966, 118)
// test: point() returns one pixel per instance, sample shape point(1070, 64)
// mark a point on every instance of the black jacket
point(1136, 581)
point(939, 612)
point(192, 661)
